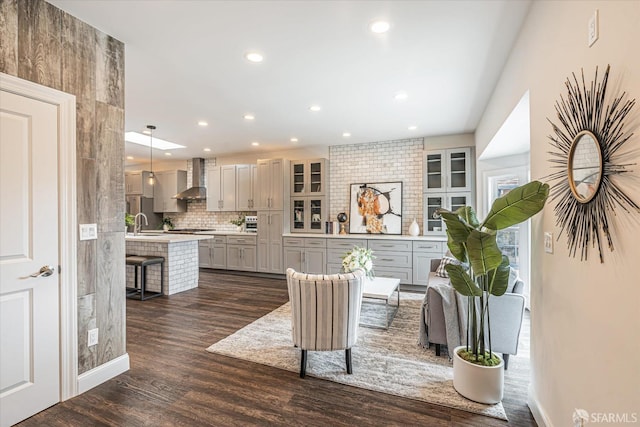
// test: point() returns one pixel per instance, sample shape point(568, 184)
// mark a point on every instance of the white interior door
point(29, 306)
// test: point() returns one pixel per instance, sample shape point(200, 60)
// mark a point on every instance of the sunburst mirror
point(590, 133)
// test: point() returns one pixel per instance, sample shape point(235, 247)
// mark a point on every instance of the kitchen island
point(180, 252)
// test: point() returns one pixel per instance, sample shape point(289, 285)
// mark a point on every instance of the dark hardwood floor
point(173, 381)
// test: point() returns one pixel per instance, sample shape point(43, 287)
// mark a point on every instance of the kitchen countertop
point(156, 237)
point(368, 236)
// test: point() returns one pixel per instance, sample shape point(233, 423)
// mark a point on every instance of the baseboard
point(102, 373)
point(536, 410)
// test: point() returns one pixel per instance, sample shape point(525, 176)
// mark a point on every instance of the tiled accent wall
point(180, 265)
point(43, 44)
point(384, 161)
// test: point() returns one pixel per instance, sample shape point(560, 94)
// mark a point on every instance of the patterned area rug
point(388, 361)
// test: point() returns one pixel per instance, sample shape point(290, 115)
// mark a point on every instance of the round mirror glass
point(585, 166)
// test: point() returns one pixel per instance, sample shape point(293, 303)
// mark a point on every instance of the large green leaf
point(517, 205)
point(461, 281)
point(458, 250)
point(457, 229)
point(468, 215)
point(484, 254)
point(499, 278)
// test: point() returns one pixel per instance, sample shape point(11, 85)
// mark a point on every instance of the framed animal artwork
point(376, 208)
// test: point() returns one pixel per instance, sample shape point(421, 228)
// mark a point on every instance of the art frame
point(375, 208)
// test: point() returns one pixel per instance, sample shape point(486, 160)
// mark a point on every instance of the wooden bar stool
point(143, 262)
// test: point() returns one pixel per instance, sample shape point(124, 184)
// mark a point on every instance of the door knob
point(45, 271)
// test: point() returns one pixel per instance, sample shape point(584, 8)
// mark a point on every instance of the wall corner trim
point(103, 373)
point(538, 412)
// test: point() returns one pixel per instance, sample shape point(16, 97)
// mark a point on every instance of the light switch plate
point(548, 242)
point(92, 338)
point(593, 28)
point(88, 231)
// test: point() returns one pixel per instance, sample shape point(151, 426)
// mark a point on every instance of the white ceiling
point(185, 62)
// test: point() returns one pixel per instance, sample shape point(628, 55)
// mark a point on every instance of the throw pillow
point(440, 271)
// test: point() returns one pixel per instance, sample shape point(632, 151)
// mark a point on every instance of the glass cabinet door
point(297, 174)
point(316, 176)
point(459, 170)
point(433, 171)
point(316, 209)
point(298, 215)
point(433, 223)
point(457, 201)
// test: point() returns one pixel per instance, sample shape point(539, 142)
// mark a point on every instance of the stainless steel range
point(251, 223)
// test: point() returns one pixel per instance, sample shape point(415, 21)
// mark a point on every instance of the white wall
point(585, 328)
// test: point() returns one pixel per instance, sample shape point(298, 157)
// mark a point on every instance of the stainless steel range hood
point(197, 191)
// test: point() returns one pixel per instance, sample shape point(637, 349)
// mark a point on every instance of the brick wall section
point(180, 265)
point(384, 161)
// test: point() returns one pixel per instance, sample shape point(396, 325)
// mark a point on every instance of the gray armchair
point(507, 312)
point(325, 312)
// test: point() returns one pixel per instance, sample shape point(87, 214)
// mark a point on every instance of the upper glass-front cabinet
point(447, 170)
point(308, 177)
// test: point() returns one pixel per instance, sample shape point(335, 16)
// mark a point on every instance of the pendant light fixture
point(152, 178)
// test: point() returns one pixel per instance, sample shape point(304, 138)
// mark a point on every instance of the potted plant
point(359, 258)
point(167, 223)
point(483, 273)
point(238, 222)
point(129, 220)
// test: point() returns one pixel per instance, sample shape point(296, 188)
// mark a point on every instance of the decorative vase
point(166, 227)
point(484, 384)
point(414, 228)
point(239, 228)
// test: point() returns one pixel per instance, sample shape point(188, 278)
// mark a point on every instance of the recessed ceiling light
point(412, 127)
point(254, 57)
point(167, 154)
point(203, 123)
point(129, 157)
point(315, 108)
point(346, 134)
point(207, 149)
point(379, 27)
point(294, 139)
point(249, 117)
point(401, 95)
point(255, 143)
point(160, 144)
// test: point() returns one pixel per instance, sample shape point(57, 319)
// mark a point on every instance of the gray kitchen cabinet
point(213, 253)
point(241, 253)
point(337, 249)
point(269, 236)
point(448, 170)
point(204, 254)
point(137, 184)
point(273, 183)
point(221, 188)
point(167, 184)
point(393, 259)
point(309, 177)
point(433, 224)
point(308, 255)
point(308, 214)
point(246, 186)
point(423, 253)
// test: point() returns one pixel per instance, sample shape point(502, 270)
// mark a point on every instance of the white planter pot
point(484, 384)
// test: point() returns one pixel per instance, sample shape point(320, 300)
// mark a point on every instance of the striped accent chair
point(325, 312)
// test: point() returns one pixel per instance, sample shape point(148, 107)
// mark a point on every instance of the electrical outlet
point(593, 28)
point(93, 337)
point(548, 242)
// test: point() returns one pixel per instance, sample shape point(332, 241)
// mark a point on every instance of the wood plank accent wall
point(42, 44)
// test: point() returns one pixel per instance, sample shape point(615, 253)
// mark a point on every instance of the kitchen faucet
point(137, 224)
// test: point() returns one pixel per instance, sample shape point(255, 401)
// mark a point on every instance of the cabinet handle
point(387, 259)
point(239, 240)
point(302, 257)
